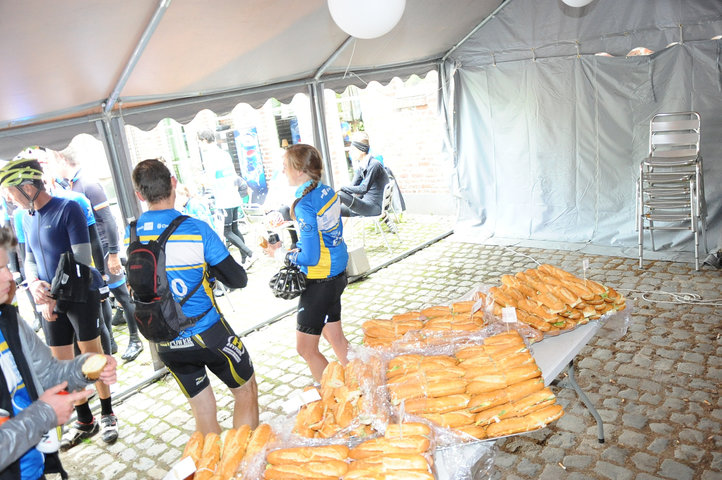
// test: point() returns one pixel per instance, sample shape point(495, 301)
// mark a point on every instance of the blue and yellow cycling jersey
point(322, 250)
point(190, 250)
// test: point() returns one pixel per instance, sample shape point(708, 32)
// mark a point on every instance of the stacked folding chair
point(670, 188)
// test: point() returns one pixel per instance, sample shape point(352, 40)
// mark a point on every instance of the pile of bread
point(457, 317)
point(403, 453)
point(485, 390)
point(219, 457)
point(343, 402)
point(547, 299)
point(552, 300)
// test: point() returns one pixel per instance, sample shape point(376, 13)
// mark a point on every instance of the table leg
point(585, 400)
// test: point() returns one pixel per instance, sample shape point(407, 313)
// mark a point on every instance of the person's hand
point(63, 403)
point(109, 376)
point(41, 292)
point(48, 310)
point(114, 265)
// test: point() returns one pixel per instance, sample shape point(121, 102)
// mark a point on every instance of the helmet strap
point(31, 208)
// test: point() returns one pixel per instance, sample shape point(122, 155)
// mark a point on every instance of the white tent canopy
point(78, 58)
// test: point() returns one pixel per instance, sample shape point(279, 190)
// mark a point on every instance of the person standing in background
point(321, 254)
point(73, 177)
point(55, 226)
point(221, 177)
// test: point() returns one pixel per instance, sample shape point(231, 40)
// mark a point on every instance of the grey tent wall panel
point(549, 149)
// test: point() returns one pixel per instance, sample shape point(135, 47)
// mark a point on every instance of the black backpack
point(160, 318)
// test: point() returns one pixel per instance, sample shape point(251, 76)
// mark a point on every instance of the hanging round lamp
point(368, 18)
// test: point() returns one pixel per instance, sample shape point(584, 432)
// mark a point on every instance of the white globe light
point(366, 18)
point(577, 3)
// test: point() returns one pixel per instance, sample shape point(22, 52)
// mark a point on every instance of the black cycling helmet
point(288, 283)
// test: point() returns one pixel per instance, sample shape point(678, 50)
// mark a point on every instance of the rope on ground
point(675, 297)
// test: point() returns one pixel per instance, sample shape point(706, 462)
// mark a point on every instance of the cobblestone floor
point(657, 389)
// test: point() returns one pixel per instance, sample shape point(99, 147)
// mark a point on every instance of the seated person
point(364, 196)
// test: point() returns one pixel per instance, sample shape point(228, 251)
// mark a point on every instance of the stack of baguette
point(326, 462)
point(401, 454)
point(342, 402)
point(457, 317)
point(220, 460)
point(552, 300)
point(481, 384)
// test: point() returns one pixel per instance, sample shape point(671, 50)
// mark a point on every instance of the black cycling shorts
point(217, 348)
point(320, 303)
point(74, 319)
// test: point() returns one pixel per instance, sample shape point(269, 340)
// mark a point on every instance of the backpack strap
point(165, 235)
point(133, 232)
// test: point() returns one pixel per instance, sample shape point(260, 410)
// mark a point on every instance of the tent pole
point(319, 121)
point(333, 57)
point(112, 131)
point(135, 56)
point(468, 35)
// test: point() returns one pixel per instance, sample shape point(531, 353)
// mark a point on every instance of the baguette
point(533, 320)
point(524, 372)
point(484, 400)
point(435, 388)
point(234, 449)
point(374, 474)
point(400, 317)
point(396, 430)
point(505, 338)
point(472, 352)
point(210, 457)
point(304, 454)
point(462, 307)
point(392, 462)
point(444, 404)
point(194, 447)
point(476, 431)
point(513, 360)
point(387, 446)
point(533, 421)
point(326, 469)
point(450, 419)
point(494, 414)
point(435, 311)
point(261, 436)
point(485, 383)
point(345, 414)
point(332, 376)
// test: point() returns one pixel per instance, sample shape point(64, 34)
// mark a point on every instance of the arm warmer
point(230, 273)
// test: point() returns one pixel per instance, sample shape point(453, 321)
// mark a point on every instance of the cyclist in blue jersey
point(194, 253)
point(67, 165)
point(321, 253)
point(55, 226)
point(36, 397)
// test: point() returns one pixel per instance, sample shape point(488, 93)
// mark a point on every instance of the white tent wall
point(549, 136)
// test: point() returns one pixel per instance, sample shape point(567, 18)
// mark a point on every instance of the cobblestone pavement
point(657, 389)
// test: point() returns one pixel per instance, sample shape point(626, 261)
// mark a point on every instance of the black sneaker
point(77, 433)
point(109, 428)
point(113, 346)
point(135, 346)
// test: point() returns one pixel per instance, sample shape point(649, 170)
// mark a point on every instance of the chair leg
point(383, 235)
point(640, 220)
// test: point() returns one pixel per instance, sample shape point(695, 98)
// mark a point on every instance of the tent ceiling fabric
point(63, 59)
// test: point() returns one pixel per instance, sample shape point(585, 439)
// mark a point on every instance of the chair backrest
point(674, 135)
point(387, 197)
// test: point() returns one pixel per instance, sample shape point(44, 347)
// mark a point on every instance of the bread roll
point(234, 449)
point(475, 431)
point(494, 414)
point(211, 456)
point(93, 366)
point(524, 372)
point(435, 311)
point(374, 474)
point(333, 376)
point(304, 454)
point(434, 388)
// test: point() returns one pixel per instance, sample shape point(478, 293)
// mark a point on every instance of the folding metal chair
point(385, 216)
point(670, 187)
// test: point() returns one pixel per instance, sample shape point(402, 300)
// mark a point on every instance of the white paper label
point(293, 404)
point(508, 315)
point(181, 470)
